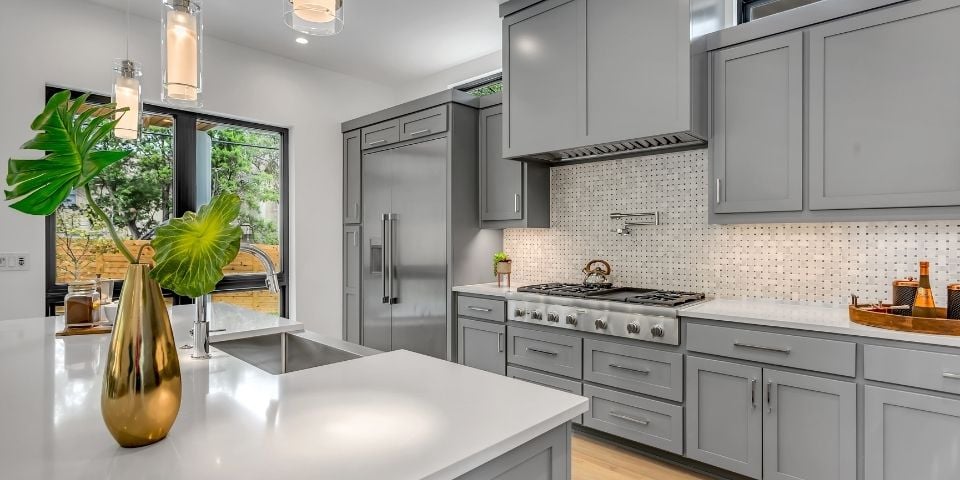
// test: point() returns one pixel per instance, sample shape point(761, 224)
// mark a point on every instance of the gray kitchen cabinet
point(352, 300)
point(883, 109)
point(724, 415)
point(809, 428)
point(547, 380)
point(756, 146)
point(640, 419)
point(544, 60)
point(381, 134)
point(352, 176)
point(513, 194)
point(910, 435)
point(421, 124)
point(481, 345)
point(546, 351)
point(546, 457)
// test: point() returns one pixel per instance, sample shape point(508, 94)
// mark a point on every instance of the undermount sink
point(281, 353)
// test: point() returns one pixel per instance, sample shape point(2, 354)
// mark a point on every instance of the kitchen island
point(395, 415)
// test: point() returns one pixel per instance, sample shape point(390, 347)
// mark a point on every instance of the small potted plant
point(501, 264)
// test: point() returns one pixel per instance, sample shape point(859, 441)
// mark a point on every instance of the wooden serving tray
point(902, 323)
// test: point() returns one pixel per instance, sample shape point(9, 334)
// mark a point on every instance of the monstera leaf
point(70, 162)
point(191, 251)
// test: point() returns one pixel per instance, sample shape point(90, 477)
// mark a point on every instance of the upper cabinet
point(588, 79)
point(352, 176)
point(513, 194)
point(881, 113)
point(757, 142)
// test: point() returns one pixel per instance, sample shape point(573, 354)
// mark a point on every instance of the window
point(483, 86)
point(181, 159)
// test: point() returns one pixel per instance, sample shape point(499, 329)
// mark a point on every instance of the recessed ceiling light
point(302, 41)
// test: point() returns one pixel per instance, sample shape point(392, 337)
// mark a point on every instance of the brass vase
point(141, 382)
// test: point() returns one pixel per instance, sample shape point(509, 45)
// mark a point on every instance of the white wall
point(73, 43)
point(443, 79)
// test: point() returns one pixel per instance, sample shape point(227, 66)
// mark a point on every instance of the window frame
point(185, 199)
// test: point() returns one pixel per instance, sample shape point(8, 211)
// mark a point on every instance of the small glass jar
point(81, 305)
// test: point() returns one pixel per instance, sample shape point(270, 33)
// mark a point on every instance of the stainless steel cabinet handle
point(718, 191)
point(770, 396)
point(499, 342)
point(544, 352)
point(384, 269)
point(516, 203)
point(478, 309)
point(630, 369)
point(356, 209)
point(638, 421)
point(753, 393)
point(762, 347)
point(378, 142)
point(951, 375)
point(392, 225)
point(418, 132)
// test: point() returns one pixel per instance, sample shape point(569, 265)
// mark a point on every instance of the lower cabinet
point(642, 420)
point(910, 435)
point(546, 457)
point(481, 345)
point(770, 424)
point(351, 284)
point(546, 380)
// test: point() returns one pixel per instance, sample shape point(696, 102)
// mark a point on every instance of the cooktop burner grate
point(606, 291)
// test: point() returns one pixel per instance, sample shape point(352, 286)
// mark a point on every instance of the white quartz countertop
point(396, 415)
point(816, 318)
point(489, 289)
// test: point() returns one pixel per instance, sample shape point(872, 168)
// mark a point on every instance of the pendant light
point(314, 17)
point(126, 93)
point(182, 52)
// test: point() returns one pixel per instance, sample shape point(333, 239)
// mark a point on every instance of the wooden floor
point(598, 460)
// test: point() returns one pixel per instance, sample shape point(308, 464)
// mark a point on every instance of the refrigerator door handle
point(392, 225)
point(384, 267)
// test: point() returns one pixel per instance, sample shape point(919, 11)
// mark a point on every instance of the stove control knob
point(657, 330)
point(519, 312)
point(600, 324)
point(572, 320)
point(553, 317)
point(536, 315)
point(633, 327)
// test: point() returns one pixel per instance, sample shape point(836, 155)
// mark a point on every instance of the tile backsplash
point(809, 262)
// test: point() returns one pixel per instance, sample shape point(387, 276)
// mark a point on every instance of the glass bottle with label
point(924, 305)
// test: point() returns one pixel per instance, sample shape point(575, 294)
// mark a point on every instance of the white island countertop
point(396, 415)
point(488, 289)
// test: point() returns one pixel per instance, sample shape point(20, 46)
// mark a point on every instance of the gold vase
point(141, 383)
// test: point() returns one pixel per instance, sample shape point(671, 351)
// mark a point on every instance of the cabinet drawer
point(550, 352)
point(639, 419)
point(423, 123)
point(380, 134)
point(819, 355)
point(545, 380)
point(485, 308)
point(642, 370)
point(929, 370)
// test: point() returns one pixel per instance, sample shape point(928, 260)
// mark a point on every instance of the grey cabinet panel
point(481, 345)
point(642, 370)
point(546, 457)
point(810, 428)
point(642, 420)
point(882, 132)
point(351, 284)
point(757, 141)
point(420, 124)
point(724, 415)
point(807, 353)
point(547, 380)
point(910, 436)
point(642, 48)
point(550, 352)
point(352, 176)
point(381, 134)
point(485, 308)
point(544, 77)
point(501, 180)
point(933, 371)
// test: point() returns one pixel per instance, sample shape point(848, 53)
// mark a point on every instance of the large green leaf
point(191, 251)
point(69, 162)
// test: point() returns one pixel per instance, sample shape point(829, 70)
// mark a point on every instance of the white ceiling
point(385, 41)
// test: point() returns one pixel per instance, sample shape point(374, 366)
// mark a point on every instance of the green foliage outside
point(487, 89)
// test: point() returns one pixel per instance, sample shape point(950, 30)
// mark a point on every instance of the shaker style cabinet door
point(724, 415)
point(351, 283)
point(809, 427)
point(884, 110)
point(756, 148)
point(501, 180)
point(544, 79)
point(482, 345)
point(910, 435)
point(352, 176)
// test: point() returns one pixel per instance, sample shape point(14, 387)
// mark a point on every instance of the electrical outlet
point(14, 262)
point(3, 261)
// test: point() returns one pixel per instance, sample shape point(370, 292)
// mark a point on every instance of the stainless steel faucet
point(201, 324)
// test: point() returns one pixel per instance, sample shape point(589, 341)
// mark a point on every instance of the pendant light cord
point(128, 30)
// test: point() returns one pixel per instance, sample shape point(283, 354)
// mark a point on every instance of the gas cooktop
point(606, 291)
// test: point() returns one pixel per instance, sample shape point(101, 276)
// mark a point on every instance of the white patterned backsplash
point(809, 262)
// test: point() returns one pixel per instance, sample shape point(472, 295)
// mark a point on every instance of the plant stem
point(113, 232)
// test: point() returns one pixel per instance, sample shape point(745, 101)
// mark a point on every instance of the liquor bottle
point(924, 305)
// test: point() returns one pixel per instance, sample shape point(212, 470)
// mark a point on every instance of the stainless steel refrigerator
point(420, 236)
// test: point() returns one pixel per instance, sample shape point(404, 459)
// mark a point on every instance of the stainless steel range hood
point(626, 148)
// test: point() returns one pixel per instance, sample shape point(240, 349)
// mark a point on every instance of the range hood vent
point(626, 148)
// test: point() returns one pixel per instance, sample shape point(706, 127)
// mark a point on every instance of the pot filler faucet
point(201, 325)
